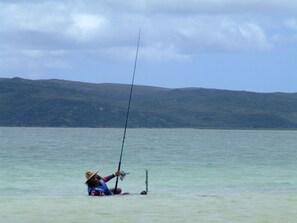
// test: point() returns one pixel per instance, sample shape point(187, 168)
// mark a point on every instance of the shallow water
point(194, 175)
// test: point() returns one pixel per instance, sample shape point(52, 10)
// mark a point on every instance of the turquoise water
point(194, 175)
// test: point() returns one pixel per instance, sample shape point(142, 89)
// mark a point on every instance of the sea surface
point(193, 175)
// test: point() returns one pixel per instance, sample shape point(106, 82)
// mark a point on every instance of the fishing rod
point(128, 111)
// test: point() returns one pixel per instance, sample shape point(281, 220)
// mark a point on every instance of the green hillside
point(58, 103)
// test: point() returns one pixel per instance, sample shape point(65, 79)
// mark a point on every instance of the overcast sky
point(226, 44)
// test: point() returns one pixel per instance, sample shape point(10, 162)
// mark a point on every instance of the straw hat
point(90, 174)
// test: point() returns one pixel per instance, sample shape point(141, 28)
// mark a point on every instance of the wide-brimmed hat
point(90, 174)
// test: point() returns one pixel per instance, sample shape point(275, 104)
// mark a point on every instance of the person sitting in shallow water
point(97, 185)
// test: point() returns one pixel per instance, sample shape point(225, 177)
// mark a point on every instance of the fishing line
point(128, 111)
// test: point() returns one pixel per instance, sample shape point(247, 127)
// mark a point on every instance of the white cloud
point(291, 23)
point(171, 30)
point(222, 33)
point(15, 59)
point(46, 17)
point(84, 27)
point(288, 34)
point(42, 53)
point(203, 6)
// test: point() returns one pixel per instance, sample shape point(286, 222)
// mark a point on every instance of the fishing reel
point(123, 175)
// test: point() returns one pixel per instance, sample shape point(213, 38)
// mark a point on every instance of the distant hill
point(60, 103)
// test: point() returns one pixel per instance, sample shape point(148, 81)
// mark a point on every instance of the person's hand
point(117, 173)
point(97, 193)
point(101, 194)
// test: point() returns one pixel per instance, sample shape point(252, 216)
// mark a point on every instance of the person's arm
point(108, 178)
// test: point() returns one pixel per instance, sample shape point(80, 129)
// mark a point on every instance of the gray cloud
point(171, 30)
point(203, 6)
